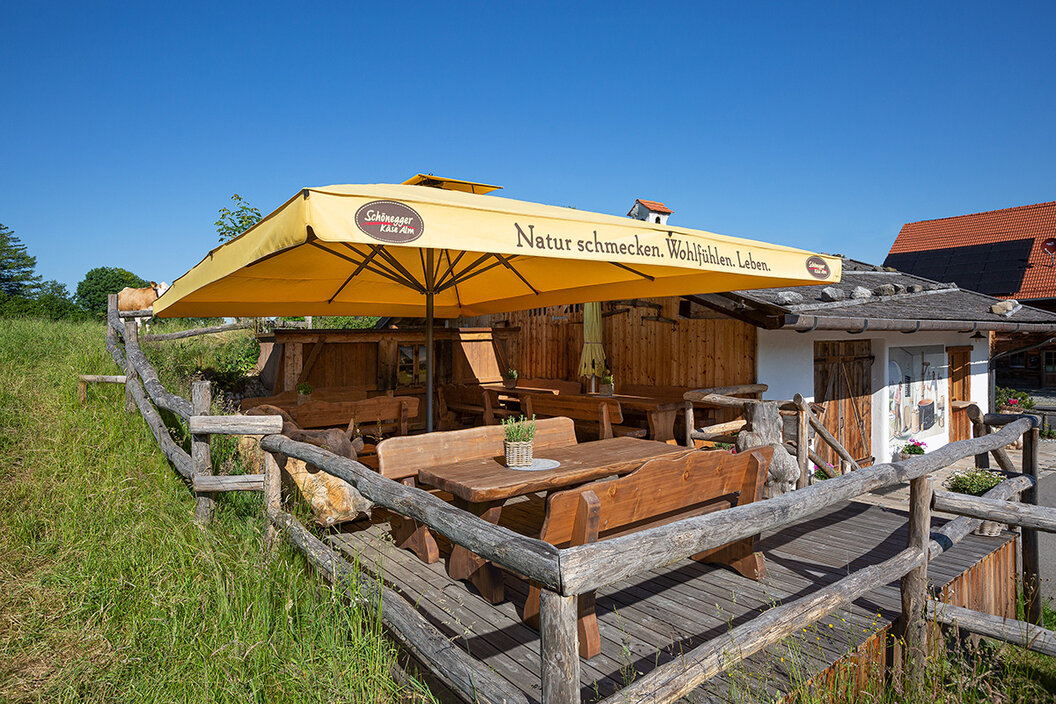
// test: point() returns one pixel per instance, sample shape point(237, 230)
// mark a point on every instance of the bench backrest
point(386, 410)
point(400, 458)
point(661, 490)
point(596, 409)
point(561, 386)
point(653, 391)
point(462, 395)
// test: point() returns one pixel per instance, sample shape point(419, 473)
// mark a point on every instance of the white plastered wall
point(785, 362)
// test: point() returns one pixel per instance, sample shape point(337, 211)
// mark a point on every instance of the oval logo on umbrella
point(818, 268)
point(389, 221)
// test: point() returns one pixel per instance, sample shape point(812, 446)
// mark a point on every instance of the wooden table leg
point(481, 573)
point(662, 425)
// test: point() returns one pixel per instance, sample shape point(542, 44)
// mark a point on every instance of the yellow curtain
point(592, 360)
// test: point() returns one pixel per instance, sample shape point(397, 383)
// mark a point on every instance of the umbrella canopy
point(592, 359)
point(410, 249)
point(379, 249)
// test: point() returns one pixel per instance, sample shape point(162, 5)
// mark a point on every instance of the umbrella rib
point(450, 266)
point(404, 280)
point(387, 255)
point(398, 280)
point(464, 276)
point(362, 265)
point(634, 271)
point(506, 263)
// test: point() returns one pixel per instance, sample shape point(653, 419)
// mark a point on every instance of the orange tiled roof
point(654, 205)
point(1037, 222)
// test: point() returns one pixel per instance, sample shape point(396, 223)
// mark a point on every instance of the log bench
point(661, 491)
point(596, 414)
point(401, 458)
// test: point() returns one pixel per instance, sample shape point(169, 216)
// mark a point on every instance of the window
point(1018, 360)
point(1050, 362)
point(410, 366)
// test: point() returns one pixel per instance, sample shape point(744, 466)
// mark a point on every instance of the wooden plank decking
point(651, 619)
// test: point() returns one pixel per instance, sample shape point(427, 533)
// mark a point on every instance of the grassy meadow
point(111, 594)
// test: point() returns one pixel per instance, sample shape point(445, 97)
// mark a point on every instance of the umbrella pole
point(429, 359)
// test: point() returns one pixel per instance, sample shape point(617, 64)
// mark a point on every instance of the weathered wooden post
point(131, 338)
point(1031, 557)
point(802, 448)
point(979, 429)
point(914, 585)
point(201, 454)
point(272, 497)
point(559, 647)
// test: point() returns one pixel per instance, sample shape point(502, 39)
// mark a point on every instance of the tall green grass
point(111, 594)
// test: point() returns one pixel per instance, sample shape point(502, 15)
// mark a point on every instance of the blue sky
point(124, 127)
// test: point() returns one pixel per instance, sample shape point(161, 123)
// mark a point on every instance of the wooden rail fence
point(564, 574)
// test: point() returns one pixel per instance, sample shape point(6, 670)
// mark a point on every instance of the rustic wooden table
point(659, 412)
point(482, 486)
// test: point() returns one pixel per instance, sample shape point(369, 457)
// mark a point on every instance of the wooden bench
point(391, 413)
point(455, 400)
point(660, 491)
point(494, 410)
point(594, 413)
point(401, 458)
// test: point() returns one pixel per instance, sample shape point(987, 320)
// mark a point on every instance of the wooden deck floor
point(651, 619)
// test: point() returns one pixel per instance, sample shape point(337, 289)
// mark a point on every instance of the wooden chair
point(455, 400)
point(593, 413)
point(493, 408)
point(401, 458)
point(660, 491)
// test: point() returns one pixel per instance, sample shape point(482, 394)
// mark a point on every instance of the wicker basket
point(518, 454)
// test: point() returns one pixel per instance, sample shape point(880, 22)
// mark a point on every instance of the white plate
point(537, 465)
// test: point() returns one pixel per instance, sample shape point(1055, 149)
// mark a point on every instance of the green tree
point(233, 223)
point(101, 281)
point(18, 275)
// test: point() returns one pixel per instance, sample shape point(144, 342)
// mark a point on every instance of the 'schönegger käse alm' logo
point(389, 221)
point(818, 267)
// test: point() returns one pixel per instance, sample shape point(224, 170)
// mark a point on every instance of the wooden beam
point(144, 313)
point(559, 649)
point(588, 567)
point(533, 558)
point(1021, 633)
point(142, 367)
point(953, 532)
point(1029, 539)
point(913, 586)
point(679, 677)
point(235, 425)
point(212, 330)
point(310, 362)
point(802, 448)
point(824, 433)
point(272, 499)
point(1037, 517)
point(201, 453)
point(103, 378)
point(228, 482)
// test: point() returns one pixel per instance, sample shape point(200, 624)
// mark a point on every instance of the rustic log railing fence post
point(559, 647)
point(201, 452)
point(914, 585)
point(272, 498)
point(1031, 554)
point(802, 448)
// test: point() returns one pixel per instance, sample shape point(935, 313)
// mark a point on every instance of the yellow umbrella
point(387, 249)
point(592, 359)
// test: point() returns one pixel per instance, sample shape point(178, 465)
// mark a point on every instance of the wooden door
point(960, 364)
point(843, 385)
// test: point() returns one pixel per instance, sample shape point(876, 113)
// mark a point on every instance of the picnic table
point(482, 486)
point(660, 412)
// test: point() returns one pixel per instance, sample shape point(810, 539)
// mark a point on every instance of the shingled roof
point(876, 298)
point(999, 252)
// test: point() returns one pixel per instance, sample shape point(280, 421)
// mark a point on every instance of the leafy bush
point(1013, 399)
point(973, 481)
